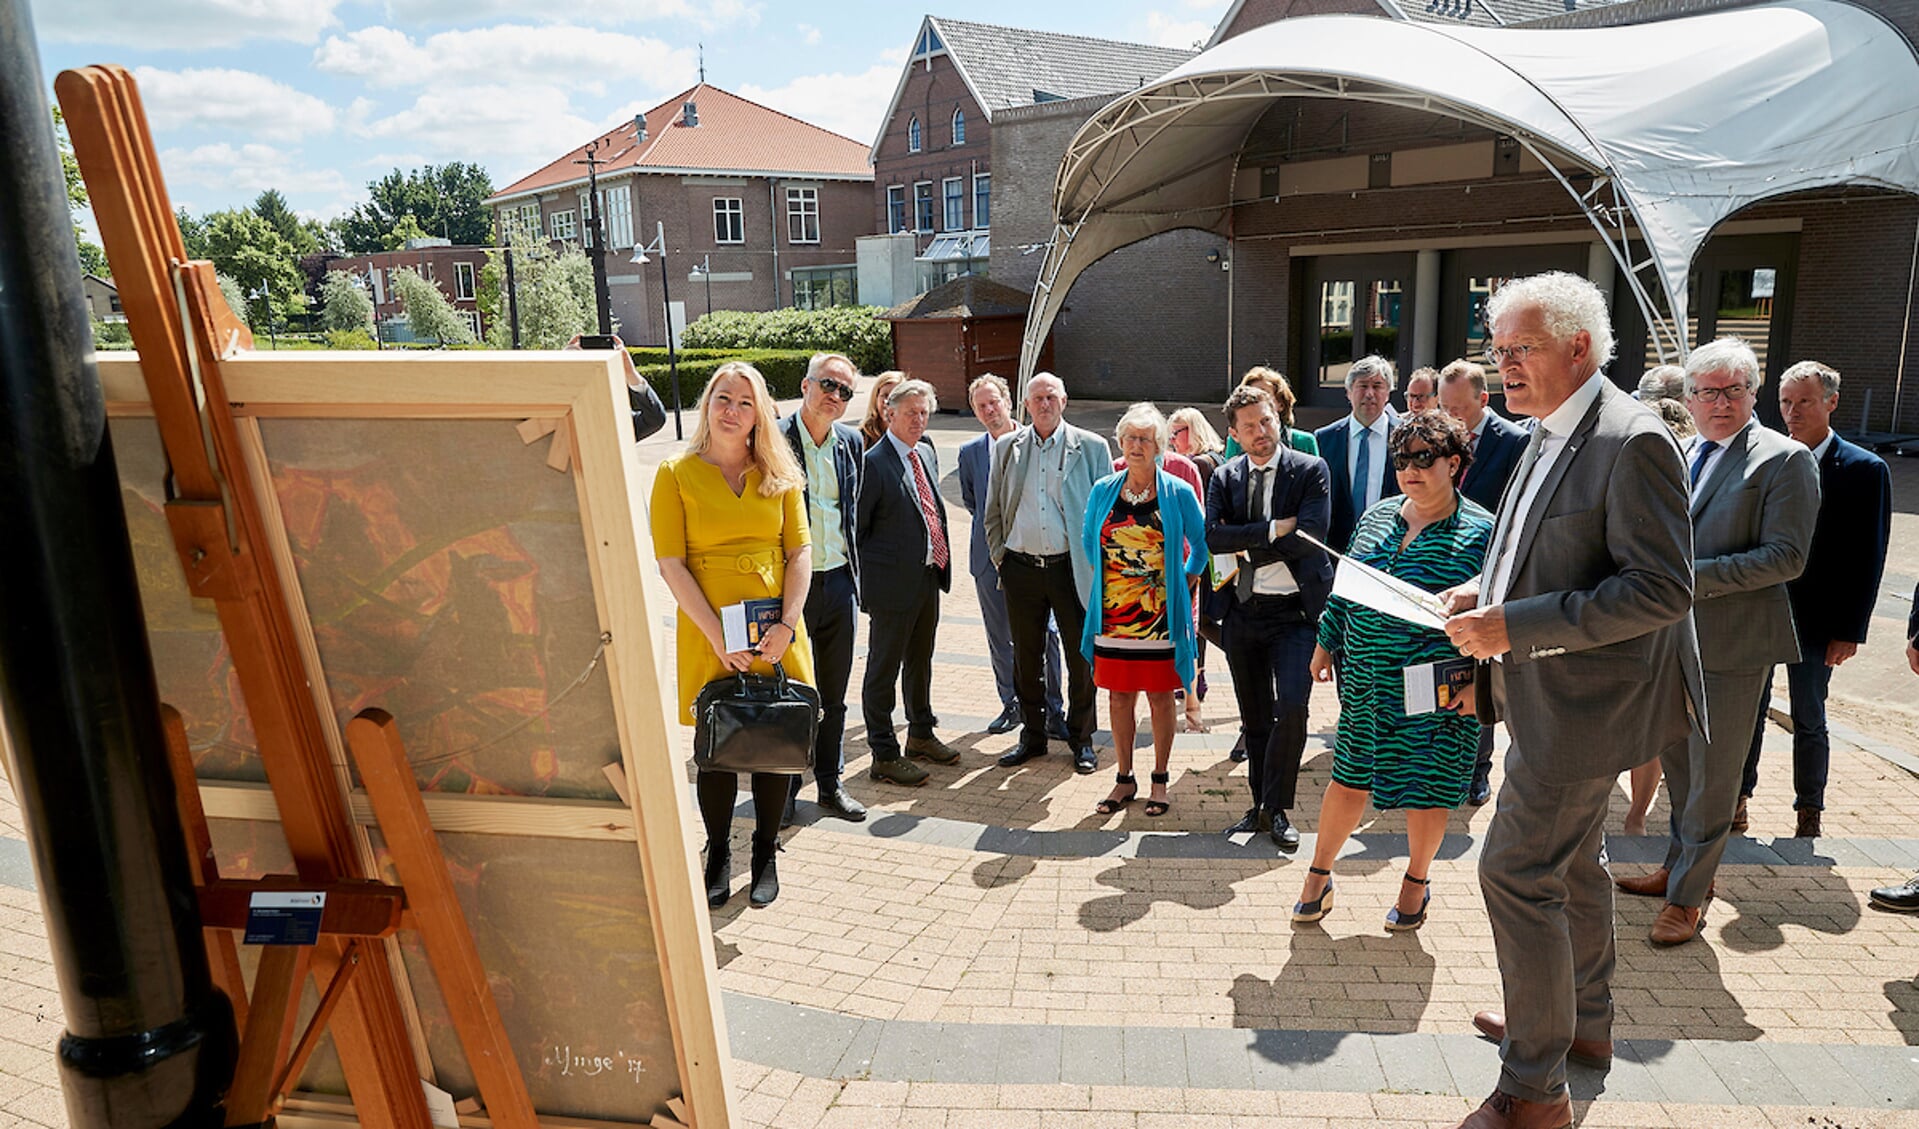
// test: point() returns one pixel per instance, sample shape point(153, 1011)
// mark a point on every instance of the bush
point(856, 331)
point(782, 368)
point(344, 340)
point(112, 336)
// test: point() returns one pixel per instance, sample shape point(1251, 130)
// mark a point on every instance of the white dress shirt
point(1559, 427)
point(1375, 456)
point(1275, 579)
point(1039, 524)
point(1819, 452)
point(1712, 460)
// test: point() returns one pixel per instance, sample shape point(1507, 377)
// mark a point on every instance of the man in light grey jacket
point(1036, 497)
point(1755, 500)
point(1582, 619)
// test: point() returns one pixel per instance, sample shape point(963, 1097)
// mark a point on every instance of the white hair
point(1039, 376)
point(1827, 377)
point(1143, 417)
point(1567, 302)
point(819, 361)
point(907, 389)
point(1727, 354)
point(1373, 365)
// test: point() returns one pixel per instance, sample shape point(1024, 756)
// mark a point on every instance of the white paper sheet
point(1369, 587)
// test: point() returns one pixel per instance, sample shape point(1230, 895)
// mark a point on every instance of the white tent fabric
point(1683, 122)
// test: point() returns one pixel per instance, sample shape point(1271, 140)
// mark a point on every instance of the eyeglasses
point(1420, 459)
point(1178, 431)
point(1732, 394)
point(1498, 355)
point(834, 388)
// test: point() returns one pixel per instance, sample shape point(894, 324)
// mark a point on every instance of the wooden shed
point(961, 330)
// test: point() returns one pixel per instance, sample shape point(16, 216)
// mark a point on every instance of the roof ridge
point(777, 113)
point(1062, 35)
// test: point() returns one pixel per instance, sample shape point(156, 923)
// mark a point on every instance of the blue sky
point(317, 97)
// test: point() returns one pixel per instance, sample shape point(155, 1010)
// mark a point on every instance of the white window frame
point(913, 134)
point(802, 212)
point(563, 232)
point(732, 211)
point(953, 204)
point(376, 282)
point(959, 126)
point(983, 219)
point(893, 228)
point(929, 215)
point(618, 202)
point(473, 323)
point(464, 280)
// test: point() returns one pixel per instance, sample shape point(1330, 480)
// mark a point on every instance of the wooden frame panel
point(587, 393)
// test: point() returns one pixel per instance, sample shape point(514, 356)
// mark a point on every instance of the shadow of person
point(1903, 995)
point(1664, 995)
point(724, 952)
point(1386, 985)
point(1809, 896)
point(1142, 882)
point(1003, 870)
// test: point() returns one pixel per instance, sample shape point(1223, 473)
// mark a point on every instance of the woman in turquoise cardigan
point(1147, 538)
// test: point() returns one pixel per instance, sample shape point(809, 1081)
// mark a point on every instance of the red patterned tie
point(929, 510)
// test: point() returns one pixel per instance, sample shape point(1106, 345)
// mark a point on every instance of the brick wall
point(1851, 303)
point(932, 92)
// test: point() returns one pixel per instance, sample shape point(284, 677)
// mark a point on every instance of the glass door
point(1354, 305)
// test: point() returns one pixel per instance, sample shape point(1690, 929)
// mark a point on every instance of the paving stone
point(1029, 1054)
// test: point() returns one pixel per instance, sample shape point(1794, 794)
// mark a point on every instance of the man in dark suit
point(832, 455)
point(1355, 446)
point(1832, 600)
point(905, 563)
point(1755, 497)
point(1495, 445)
point(1582, 622)
point(992, 404)
point(1256, 507)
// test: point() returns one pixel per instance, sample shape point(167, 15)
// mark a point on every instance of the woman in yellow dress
point(729, 524)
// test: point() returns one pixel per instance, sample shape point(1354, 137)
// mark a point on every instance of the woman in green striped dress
point(1433, 537)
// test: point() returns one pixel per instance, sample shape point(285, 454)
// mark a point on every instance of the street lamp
point(658, 247)
point(264, 295)
point(705, 271)
point(602, 300)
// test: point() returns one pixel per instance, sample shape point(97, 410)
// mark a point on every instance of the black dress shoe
point(1085, 760)
point(1020, 754)
point(1284, 835)
point(1056, 728)
point(1238, 755)
point(1479, 793)
point(839, 805)
point(1006, 722)
point(1248, 822)
point(1903, 898)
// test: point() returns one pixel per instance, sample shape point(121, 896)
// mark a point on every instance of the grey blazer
point(1087, 460)
point(1604, 665)
point(1752, 530)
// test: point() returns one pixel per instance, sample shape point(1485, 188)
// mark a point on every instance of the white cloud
point(248, 168)
point(182, 23)
point(847, 104)
point(512, 130)
point(705, 13)
point(559, 55)
point(1168, 31)
point(237, 102)
point(809, 34)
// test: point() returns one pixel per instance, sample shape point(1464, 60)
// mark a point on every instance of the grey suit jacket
point(1752, 530)
point(1604, 662)
point(1087, 460)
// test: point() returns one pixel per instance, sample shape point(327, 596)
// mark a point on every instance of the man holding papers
point(1258, 506)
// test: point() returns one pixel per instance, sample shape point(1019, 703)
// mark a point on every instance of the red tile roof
point(734, 136)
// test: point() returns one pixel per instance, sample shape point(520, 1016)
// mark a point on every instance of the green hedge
point(782, 368)
point(856, 331)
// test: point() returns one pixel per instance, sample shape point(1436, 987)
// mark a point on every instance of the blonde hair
point(1274, 385)
point(874, 423)
point(779, 469)
point(1205, 439)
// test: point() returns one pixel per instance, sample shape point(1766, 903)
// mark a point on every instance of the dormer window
point(959, 127)
point(913, 135)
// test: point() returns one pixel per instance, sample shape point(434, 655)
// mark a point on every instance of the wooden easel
point(182, 328)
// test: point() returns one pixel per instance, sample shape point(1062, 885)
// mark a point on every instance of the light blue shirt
point(1039, 524)
point(823, 500)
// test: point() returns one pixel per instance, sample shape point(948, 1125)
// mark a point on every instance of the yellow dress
point(736, 548)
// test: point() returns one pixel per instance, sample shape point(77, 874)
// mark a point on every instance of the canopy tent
point(1678, 124)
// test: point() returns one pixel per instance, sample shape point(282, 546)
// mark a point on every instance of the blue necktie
point(1706, 448)
point(1362, 470)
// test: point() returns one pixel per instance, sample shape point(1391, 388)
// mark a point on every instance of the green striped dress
point(1423, 761)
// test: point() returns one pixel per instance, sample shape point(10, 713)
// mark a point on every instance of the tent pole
point(1905, 335)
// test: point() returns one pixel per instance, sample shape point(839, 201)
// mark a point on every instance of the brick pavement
point(987, 951)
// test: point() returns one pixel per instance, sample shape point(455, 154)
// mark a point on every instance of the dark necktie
point(1362, 472)
point(1706, 448)
point(1255, 513)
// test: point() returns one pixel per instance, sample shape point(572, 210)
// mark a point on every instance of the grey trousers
point(1543, 874)
point(1702, 782)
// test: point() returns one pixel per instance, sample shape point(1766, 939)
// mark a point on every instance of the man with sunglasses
point(833, 455)
point(1755, 500)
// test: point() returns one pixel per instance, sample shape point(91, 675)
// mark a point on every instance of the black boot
point(719, 873)
point(766, 875)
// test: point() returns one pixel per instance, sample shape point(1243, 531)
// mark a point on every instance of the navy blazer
point(1494, 460)
point(892, 529)
point(1332, 448)
point(1832, 599)
point(975, 463)
point(1299, 492)
point(849, 456)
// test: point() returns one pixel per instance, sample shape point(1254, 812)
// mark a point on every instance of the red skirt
point(1134, 666)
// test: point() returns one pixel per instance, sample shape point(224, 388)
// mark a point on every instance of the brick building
point(455, 270)
point(760, 210)
point(933, 158)
point(1358, 227)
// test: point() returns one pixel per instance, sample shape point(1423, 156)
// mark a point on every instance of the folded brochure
point(746, 623)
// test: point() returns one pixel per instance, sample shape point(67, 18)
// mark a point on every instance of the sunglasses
point(1421, 459)
point(834, 388)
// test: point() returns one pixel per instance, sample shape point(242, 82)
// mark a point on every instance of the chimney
point(639, 126)
point(689, 113)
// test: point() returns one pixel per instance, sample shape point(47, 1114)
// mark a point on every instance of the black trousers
point(899, 651)
point(1269, 648)
point(830, 612)
point(1033, 593)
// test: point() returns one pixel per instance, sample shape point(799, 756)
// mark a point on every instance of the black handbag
point(755, 723)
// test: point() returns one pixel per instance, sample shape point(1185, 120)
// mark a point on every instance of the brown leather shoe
point(1676, 925)
point(1646, 885)
point(1503, 1111)
point(1596, 1053)
point(1808, 824)
point(1740, 820)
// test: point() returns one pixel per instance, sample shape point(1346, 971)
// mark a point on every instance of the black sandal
point(1110, 805)
point(1397, 922)
point(1159, 807)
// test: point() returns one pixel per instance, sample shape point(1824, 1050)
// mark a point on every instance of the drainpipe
point(772, 206)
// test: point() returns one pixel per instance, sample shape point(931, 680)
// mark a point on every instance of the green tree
point(428, 313)
point(93, 259)
point(555, 296)
point(489, 296)
point(230, 290)
point(446, 200)
point(193, 232)
point(343, 304)
point(272, 207)
point(247, 249)
point(407, 228)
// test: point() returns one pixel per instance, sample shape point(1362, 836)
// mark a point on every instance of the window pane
point(923, 206)
point(1335, 331)
point(983, 200)
point(896, 208)
point(955, 206)
point(1385, 310)
point(1745, 307)
point(959, 127)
